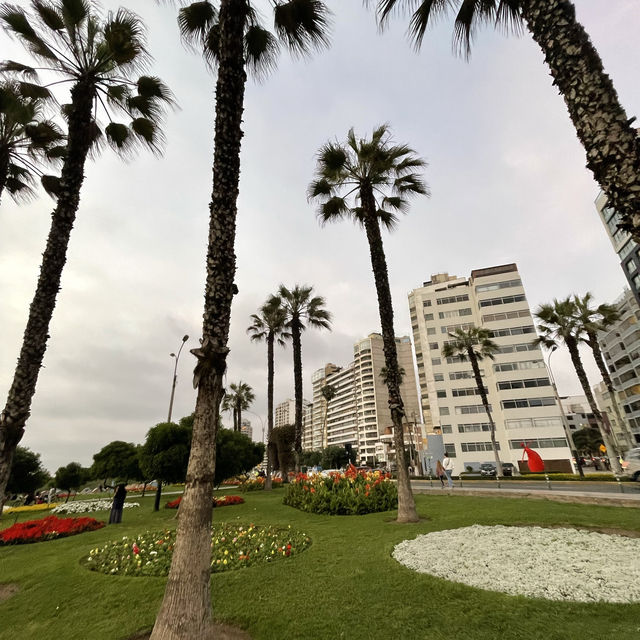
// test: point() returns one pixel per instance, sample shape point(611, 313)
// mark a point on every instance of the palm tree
point(99, 57)
point(558, 324)
point(27, 138)
point(233, 41)
point(238, 400)
point(600, 121)
point(328, 393)
point(375, 178)
point(593, 320)
point(269, 326)
point(474, 345)
point(301, 309)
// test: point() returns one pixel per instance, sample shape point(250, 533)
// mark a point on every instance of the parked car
point(489, 469)
point(631, 464)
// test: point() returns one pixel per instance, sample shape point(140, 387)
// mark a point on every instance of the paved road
point(630, 488)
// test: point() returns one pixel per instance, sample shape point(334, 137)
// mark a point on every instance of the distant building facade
point(523, 404)
point(246, 429)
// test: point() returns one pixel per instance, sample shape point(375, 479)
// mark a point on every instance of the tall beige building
point(285, 413)
point(523, 404)
point(358, 414)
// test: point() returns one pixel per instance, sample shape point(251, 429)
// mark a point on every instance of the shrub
point(225, 501)
point(350, 493)
point(257, 484)
point(48, 528)
point(233, 546)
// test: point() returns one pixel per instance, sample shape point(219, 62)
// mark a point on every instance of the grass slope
point(345, 585)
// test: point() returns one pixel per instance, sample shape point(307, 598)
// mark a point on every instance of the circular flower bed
point(225, 501)
point(88, 506)
point(233, 546)
point(47, 528)
point(350, 493)
point(556, 564)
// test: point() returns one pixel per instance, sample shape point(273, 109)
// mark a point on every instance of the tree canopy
point(117, 460)
point(165, 453)
point(71, 477)
point(27, 472)
point(235, 454)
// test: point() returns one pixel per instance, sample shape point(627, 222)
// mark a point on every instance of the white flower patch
point(556, 564)
point(87, 506)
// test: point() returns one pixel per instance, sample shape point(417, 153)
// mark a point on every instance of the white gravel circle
point(556, 564)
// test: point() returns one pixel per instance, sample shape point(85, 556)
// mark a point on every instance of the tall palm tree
point(558, 324)
point(99, 57)
point(328, 393)
point(595, 319)
point(369, 181)
point(27, 137)
point(234, 42)
point(269, 327)
point(301, 309)
point(239, 400)
point(602, 126)
point(474, 345)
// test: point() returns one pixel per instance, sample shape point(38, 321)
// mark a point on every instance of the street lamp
point(565, 423)
point(253, 413)
point(175, 375)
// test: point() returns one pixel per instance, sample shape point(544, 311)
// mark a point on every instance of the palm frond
point(51, 185)
point(261, 51)
point(125, 38)
point(48, 15)
point(17, 67)
point(196, 20)
point(302, 25)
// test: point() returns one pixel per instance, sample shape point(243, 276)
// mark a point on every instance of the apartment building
point(523, 404)
point(246, 428)
point(627, 249)
point(285, 413)
point(358, 413)
point(620, 346)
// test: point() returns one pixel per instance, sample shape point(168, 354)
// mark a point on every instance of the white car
point(631, 464)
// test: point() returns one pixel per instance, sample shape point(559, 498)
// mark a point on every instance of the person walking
point(448, 466)
point(117, 506)
point(440, 472)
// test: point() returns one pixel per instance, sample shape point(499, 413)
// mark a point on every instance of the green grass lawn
point(346, 585)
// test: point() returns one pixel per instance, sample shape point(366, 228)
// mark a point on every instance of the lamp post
point(175, 375)
point(253, 413)
point(565, 423)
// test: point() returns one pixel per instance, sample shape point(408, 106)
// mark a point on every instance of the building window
point(474, 427)
point(426, 303)
point(516, 366)
point(516, 348)
point(524, 384)
point(524, 403)
point(631, 266)
point(498, 285)
point(504, 300)
point(470, 391)
point(471, 408)
point(450, 450)
point(446, 428)
point(438, 377)
point(529, 423)
point(452, 299)
point(435, 361)
point(428, 316)
point(478, 446)
point(452, 327)
point(513, 331)
point(539, 443)
point(442, 394)
point(444, 411)
point(431, 331)
point(433, 345)
point(636, 281)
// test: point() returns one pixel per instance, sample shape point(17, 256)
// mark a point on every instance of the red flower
point(47, 528)
point(135, 548)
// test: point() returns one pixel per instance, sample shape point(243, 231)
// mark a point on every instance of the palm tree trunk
point(239, 422)
point(572, 345)
point(406, 504)
point(296, 340)
point(270, 375)
point(186, 612)
point(34, 343)
point(473, 359)
point(604, 372)
point(4, 169)
point(610, 142)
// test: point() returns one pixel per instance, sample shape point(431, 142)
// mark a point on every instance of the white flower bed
point(556, 564)
point(87, 506)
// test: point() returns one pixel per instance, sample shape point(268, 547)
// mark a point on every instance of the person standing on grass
point(115, 517)
point(448, 466)
point(440, 472)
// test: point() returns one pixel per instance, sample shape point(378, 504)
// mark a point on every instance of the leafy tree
point(310, 458)
point(602, 126)
point(587, 440)
point(301, 309)
point(474, 345)
point(117, 460)
point(369, 182)
point(235, 454)
point(328, 394)
point(283, 441)
point(99, 58)
point(164, 455)
point(238, 400)
point(27, 472)
point(592, 320)
point(558, 325)
point(27, 138)
point(71, 477)
point(268, 326)
point(334, 457)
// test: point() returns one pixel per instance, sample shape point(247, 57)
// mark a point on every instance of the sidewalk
point(557, 495)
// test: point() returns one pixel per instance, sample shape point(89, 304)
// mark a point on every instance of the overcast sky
point(506, 173)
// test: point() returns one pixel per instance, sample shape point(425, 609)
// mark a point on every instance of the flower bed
point(32, 507)
point(88, 506)
point(257, 484)
point(350, 493)
point(47, 528)
point(233, 546)
point(225, 501)
point(556, 564)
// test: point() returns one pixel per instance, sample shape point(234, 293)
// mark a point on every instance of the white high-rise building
point(522, 400)
point(246, 429)
point(284, 413)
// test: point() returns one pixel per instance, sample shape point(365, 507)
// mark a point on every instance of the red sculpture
point(534, 460)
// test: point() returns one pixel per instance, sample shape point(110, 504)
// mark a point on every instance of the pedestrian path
point(557, 495)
